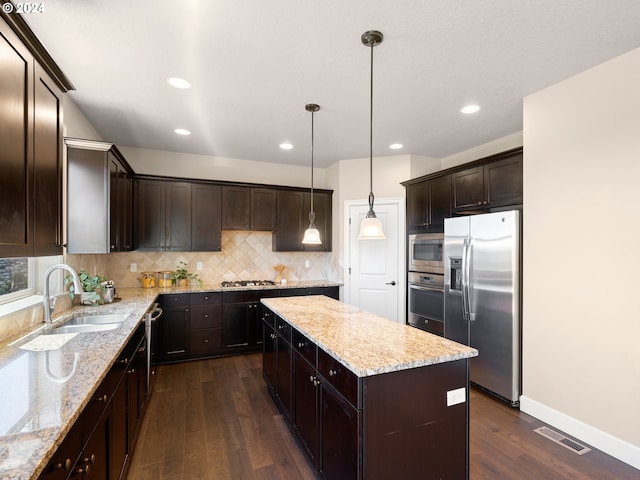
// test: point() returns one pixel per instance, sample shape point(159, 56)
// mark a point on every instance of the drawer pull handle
point(124, 361)
point(280, 327)
point(102, 399)
point(300, 344)
point(133, 370)
point(91, 459)
point(273, 336)
point(333, 373)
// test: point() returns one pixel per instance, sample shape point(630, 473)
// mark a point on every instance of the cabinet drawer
point(268, 316)
point(283, 329)
point(175, 300)
point(207, 298)
point(204, 316)
point(345, 381)
point(304, 346)
point(206, 341)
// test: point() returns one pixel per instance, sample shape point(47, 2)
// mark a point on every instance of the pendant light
point(311, 234)
point(371, 226)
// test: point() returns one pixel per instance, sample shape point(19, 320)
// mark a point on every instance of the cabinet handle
point(101, 399)
point(206, 315)
point(206, 340)
point(280, 327)
point(206, 298)
point(273, 336)
point(300, 344)
point(91, 459)
point(64, 466)
point(124, 361)
point(133, 370)
point(86, 470)
point(333, 373)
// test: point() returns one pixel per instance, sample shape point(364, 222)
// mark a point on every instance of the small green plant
point(181, 273)
point(89, 283)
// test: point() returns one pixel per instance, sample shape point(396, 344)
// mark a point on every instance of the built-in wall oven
point(426, 301)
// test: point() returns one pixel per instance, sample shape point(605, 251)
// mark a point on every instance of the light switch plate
point(199, 266)
point(307, 264)
point(134, 267)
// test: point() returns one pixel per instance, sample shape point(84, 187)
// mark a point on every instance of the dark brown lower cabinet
point(400, 424)
point(277, 361)
point(100, 443)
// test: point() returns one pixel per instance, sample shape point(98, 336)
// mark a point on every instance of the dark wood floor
point(214, 420)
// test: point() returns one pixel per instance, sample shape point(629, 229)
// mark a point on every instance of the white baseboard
point(623, 451)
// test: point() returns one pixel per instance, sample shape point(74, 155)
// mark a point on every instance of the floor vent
point(562, 440)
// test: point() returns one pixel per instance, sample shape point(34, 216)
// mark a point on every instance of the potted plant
point(90, 286)
point(183, 277)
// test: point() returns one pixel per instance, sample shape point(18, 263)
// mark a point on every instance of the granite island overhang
point(367, 397)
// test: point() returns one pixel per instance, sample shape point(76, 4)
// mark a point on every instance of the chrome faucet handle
point(52, 303)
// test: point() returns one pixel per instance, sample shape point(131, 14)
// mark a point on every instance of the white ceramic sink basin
point(91, 323)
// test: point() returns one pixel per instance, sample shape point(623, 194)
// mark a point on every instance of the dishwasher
point(153, 313)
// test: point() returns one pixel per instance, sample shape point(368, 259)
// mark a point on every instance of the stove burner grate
point(247, 283)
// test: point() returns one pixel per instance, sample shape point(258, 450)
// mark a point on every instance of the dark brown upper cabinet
point(162, 215)
point(292, 219)
point(493, 184)
point(206, 217)
point(99, 198)
point(428, 204)
point(30, 153)
point(248, 208)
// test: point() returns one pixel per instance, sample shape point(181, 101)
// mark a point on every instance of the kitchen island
point(366, 397)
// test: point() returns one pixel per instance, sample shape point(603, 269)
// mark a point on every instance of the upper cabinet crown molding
point(29, 39)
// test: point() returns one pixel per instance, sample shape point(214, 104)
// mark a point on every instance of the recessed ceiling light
point(178, 82)
point(468, 109)
point(396, 146)
point(286, 146)
point(182, 131)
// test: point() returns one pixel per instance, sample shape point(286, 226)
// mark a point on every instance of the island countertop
point(363, 342)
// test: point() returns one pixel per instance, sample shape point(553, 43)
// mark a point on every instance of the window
point(22, 277)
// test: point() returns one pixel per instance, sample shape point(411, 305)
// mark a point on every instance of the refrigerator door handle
point(465, 280)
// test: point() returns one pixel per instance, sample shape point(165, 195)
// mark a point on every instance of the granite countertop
point(47, 380)
point(365, 343)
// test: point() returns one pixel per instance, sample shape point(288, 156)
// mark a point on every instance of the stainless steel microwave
point(425, 252)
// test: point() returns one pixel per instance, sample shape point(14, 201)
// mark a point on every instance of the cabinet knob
point(300, 344)
point(206, 315)
point(333, 373)
point(133, 370)
point(86, 470)
point(273, 336)
point(102, 399)
point(206, 340)
point(91, 459)
point(64, 466)
point(124, 361)
point(206, 297)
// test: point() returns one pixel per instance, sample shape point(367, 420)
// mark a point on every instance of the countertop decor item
point(279, 268)
point(311, 234)
point(91, 286)
point(183, 277)
point(371, 226)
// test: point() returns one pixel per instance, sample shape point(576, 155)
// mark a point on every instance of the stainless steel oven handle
point(425, 289)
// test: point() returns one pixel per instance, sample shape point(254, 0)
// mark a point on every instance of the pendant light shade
point(371, 226)
point(311, 234)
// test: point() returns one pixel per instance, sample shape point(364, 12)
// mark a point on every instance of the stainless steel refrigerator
point(482, 297)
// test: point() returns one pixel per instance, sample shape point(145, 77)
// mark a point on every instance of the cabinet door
point(468, 188)
point(503, 181)
point(269, 355)
point(178, 216)
point(263, 209)
point(289, 227)
point(322, 209)
point(283, 373)
point(235, 325)
point(174, 325)
point(127, 213)
point(305, 394)
point(16, 139)
point(206, 220)
point(47, 159)
point(96, 451)
point(417, 206)
point(236, 208)
point(118, 451)
point(116, 194)
point(150, 214)
point(338, 436)
point(439, 202)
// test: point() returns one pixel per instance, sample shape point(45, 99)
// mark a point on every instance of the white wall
point(496, 146)
point(186, 165)
point(581, 336)
point(76, 124)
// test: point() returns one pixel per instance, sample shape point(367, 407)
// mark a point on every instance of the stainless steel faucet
point(49, 306)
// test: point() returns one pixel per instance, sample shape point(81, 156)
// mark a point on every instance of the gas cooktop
point(247, 283)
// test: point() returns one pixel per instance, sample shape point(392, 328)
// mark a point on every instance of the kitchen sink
point(91, 323)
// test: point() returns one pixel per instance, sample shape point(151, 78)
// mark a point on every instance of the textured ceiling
point(254, 64)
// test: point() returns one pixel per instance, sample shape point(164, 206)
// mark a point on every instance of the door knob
point(392, 282)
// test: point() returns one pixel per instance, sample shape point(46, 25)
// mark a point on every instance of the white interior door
point(375, 275)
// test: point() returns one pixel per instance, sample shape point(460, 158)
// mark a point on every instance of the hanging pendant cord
point(312, 114)
point(370, 213)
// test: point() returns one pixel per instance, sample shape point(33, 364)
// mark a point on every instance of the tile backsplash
point(245, 255)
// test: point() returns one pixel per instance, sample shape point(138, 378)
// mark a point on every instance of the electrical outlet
point(307, 264)
point(454, 397)
point(199, 266)
point(134, 267)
